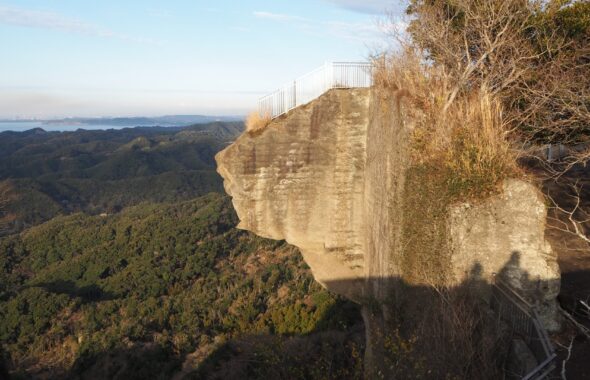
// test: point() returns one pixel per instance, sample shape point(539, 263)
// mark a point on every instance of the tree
point(4, 199)
point(533, 56)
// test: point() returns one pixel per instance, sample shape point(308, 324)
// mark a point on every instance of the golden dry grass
point(257, 121)
point(458, 148)
point(459, 151)
point(466, 137)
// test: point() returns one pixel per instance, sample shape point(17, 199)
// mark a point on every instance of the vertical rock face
point(505, 235)
point(301, 179)
point(328, 177)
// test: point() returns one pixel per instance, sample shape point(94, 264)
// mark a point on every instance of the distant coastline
point(73, 124)
point(22, 126)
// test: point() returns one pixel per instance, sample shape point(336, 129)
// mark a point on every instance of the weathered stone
point(505, 235)
point(301, 179)
point(328, 177)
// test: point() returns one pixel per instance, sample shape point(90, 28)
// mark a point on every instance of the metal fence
point(524, 320)
point(312, 85)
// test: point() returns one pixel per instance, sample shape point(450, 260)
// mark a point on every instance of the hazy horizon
point(131, 116)
point(150, 59)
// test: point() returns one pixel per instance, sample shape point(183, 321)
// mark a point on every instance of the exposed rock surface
point(505, 235)
point(301, 179)
point(328, 176)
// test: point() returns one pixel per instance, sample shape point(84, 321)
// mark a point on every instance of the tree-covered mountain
point(52, 173)
point(165, 279)
point(123, 263)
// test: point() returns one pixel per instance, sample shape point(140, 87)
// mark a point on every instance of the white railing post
point(294, 93)
point(331, 76)
point(285, 99)
point(327, 77)
point(314, 84)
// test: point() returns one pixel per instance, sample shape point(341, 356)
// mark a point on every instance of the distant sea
point(20, 126)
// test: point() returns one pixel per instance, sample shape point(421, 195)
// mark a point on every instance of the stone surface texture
point(301, 179)
point(328, 178)
point(505, 235)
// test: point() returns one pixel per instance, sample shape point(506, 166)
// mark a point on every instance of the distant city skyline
point(152, 58)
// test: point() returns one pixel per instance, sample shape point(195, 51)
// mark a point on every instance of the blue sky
point(104, 58)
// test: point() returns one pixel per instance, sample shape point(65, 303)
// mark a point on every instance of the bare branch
point(569, 354)
point(576, 217)
point(583, 329)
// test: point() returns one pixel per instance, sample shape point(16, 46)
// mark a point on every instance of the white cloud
point(47, 20)
point(356, 31)
point(376, 7)
point(278, 16)
point(51, 20)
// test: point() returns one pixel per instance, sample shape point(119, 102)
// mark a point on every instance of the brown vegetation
point(458, 151)
point(485, 84)
point(533, 58)
point(464, 138)
point(257, 121)
point(489, 82)
point(532, 54)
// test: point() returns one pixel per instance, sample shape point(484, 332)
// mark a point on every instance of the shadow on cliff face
point(334, 350)
point(420, 331)
point(149, 361)
point(434, 332)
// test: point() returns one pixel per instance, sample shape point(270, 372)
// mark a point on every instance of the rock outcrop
point(302, 179)
point(505, 235)
point(328, 178)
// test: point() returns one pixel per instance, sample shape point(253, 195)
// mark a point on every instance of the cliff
point(302, 179)
point(332, 178)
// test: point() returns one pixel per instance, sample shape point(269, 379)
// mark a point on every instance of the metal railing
point(524, 321)
point(314, 84)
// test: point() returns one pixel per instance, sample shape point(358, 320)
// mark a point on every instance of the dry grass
point(466, 137)
point(257, 121)
point(478, 153)
point(470, 342)
point(459, 151)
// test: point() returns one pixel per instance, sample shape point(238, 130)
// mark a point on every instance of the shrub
point(454, 147)
point(464, 137)
point(532, 54)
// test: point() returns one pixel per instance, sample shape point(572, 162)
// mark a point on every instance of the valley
point(120, 259)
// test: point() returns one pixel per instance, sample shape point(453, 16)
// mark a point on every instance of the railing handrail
point(314, 84)
point(530, 327)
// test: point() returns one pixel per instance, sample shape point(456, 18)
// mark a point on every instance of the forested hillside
point(51, 173)
point(166, 288)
